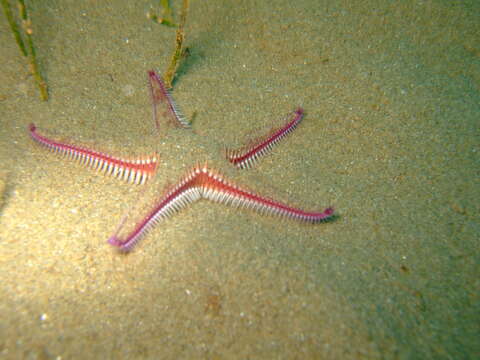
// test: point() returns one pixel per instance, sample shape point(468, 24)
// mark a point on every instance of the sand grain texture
point(391, 92)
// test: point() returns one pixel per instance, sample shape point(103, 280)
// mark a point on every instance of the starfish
point(200, 180)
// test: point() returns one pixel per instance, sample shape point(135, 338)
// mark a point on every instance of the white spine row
point(181, 119)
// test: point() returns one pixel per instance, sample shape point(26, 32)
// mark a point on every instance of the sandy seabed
point(391, 92)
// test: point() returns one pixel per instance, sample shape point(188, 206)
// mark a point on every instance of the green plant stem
point(27, 28)
point(13, 26)
point(177, 54)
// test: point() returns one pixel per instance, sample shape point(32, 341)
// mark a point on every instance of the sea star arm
point(201, 182)
point(248, 155)
point(164, 107)
point(135, 170)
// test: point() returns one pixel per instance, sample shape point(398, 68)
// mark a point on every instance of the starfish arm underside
point(246, 156)
point(203, 183)
point(135, 170)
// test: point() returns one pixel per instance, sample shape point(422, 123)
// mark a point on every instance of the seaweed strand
point(28, 51)
point(177, 54)
point(13, 25)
